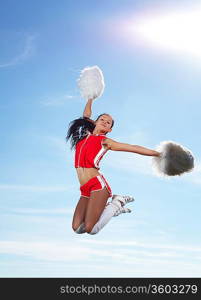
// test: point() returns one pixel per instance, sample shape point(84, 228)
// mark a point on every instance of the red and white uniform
point(88, 153)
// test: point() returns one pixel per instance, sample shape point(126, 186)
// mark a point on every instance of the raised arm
point(116, 146)
point(87, 110)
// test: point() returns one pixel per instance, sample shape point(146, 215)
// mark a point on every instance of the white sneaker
point(122, 210)
point(123, 199)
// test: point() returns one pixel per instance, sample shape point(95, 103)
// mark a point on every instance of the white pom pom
point(91, 82)
point(174, 159)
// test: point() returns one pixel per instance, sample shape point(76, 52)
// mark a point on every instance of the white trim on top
point(98, 156)
point(101, 181)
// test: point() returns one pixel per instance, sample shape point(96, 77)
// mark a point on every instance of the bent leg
point(79, 215)
point(98, 213)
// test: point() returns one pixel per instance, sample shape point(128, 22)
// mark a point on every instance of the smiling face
point(103, 124)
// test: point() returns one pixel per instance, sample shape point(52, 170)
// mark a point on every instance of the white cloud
point(133, 256)
point(44, 250)
point(128, 162)
point(32, 211)
point(58, 100)
point(131, 162)
point(26, 53)
point(149, 246)
point(61, 148)
point(112, 256)
point(33, 188)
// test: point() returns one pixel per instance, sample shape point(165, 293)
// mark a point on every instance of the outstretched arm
point(116, 146)
point(87, 110)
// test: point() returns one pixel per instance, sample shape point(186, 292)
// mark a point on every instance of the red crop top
point(89, 151)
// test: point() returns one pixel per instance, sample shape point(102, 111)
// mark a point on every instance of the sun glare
point(176, 32)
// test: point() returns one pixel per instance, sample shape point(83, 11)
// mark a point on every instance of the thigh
point(80, 211)
point(96, 205)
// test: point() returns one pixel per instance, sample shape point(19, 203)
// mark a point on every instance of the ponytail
point(78, 129)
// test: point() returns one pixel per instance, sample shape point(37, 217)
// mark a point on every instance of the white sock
point(105, 217)
point(81, 229)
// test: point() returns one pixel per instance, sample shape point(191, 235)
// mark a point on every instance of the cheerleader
point(90, 141)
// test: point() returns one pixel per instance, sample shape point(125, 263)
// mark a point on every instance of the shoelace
point(120, 210)
point(117, 212)
point(127, 198)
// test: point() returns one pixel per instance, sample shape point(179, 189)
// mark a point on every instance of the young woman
point(89, 139)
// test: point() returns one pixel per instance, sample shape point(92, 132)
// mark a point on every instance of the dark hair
point(78, 129)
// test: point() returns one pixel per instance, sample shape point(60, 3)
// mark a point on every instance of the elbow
point(86, 116)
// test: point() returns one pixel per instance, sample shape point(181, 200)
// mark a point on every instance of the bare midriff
point(85, 174)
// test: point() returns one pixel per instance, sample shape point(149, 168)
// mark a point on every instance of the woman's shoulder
point(106, 142)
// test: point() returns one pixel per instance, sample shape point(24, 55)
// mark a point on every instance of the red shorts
point(97, 183)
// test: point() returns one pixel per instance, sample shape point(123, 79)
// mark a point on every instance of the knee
point(78, 228)
point(89, 227)
point(74, 228)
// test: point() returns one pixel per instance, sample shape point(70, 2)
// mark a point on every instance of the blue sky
point(152, 89)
